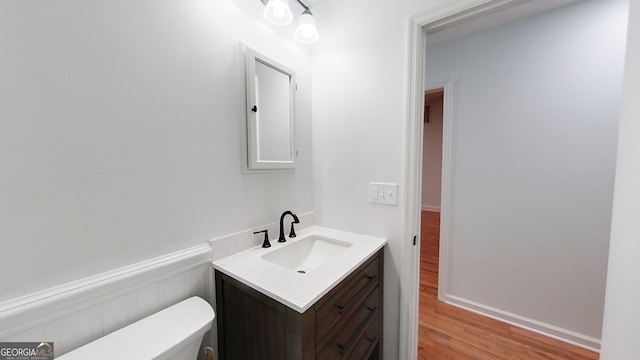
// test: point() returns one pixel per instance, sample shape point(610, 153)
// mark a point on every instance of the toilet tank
point(174, 333)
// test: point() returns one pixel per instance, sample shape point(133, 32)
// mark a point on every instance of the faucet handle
point(292, 233)
point(265, 243)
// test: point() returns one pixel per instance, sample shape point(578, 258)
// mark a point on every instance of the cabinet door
point(250, 325)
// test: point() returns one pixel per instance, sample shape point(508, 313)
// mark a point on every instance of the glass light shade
point(306, 31)
point(277, 12)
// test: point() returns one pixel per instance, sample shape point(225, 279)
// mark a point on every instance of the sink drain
point(302, 271)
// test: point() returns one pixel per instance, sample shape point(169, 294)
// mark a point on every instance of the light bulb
point(277, 12)
point(306, 31)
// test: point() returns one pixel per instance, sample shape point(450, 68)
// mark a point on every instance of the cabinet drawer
point(342, 301)
point(346, 338)
point(366, 345)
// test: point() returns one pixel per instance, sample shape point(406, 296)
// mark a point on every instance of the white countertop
point(299, 291)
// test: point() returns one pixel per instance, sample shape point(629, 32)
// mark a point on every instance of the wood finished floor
point(449, 333)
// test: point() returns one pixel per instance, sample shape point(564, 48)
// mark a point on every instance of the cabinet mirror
point(270, 113)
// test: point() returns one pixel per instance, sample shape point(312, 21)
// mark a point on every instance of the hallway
point(448, 333)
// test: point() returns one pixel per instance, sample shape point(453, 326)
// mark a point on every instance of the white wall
point(120, 133)
point(535, 106)
point(621, 330)
point(432, 157)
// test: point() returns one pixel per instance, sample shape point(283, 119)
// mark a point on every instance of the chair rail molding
point(26, 312)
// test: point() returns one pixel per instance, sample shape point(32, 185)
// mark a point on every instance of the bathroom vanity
point(315, 297)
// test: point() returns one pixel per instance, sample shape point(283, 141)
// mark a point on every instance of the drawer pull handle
point(345, 308)
point(374, 342)
point(372, 313)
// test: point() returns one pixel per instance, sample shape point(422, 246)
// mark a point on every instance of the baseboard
point(431, 208)
point(31, 310)
point(568, 336)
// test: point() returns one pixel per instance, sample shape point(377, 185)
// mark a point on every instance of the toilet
point(174, 333)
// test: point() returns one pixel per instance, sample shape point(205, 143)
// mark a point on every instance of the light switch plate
point(383, 193)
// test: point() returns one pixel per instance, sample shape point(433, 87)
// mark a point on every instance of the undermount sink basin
point(306, 254)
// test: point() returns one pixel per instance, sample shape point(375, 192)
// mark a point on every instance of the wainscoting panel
point(77, 313)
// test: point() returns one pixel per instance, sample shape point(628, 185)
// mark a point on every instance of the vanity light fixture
point(278, 12)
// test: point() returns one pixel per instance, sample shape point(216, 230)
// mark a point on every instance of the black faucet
point(281, 238)
point(265, 243)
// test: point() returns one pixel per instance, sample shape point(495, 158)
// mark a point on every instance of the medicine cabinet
point(270, 108)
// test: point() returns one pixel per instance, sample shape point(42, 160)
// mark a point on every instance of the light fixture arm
point(306, 8)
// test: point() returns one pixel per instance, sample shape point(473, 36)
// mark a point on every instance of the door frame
point(445, 187)
point(418, 26)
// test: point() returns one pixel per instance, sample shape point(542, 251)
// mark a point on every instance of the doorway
point(432, 149)
point(428, 23)
point(431, 188)
point(430, 205)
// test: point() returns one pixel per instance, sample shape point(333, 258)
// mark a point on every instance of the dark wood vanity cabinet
point(346, 323)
